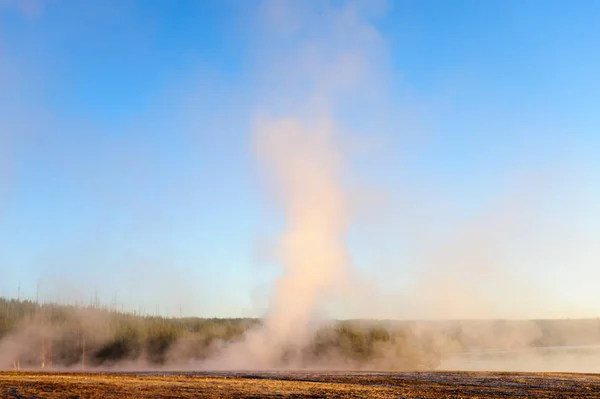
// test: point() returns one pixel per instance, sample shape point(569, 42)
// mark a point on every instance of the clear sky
point(471, 128)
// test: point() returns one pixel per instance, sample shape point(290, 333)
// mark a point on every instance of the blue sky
point(472, 133)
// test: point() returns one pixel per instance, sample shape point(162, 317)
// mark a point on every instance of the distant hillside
point(55, 336)
point(46, 335)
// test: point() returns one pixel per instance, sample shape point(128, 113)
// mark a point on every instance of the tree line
point(48, 335)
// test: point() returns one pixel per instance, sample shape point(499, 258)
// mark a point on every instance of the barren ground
point(28, 385)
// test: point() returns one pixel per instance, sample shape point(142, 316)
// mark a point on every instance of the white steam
point(304, 160)
point(301, 153)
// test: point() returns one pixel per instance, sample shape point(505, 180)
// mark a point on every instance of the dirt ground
point(29, 385)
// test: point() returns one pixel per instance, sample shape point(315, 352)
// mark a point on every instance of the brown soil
point(29, 385)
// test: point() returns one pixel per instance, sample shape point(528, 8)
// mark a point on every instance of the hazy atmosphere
point(302, 160)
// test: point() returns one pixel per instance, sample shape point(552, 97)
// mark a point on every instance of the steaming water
point(581, 359)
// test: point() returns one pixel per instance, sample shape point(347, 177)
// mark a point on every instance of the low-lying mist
point(59, 337)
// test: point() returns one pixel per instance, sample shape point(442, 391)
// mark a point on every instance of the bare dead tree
point(82, 350)
point(43, 353)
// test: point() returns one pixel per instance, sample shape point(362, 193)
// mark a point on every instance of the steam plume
point(305, 161)
point(302, 156)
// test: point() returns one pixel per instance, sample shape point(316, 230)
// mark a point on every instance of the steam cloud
point(303, 158)
point(304, 161)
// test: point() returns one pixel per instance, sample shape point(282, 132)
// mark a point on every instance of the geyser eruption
point(304, 162)
point(323, 55)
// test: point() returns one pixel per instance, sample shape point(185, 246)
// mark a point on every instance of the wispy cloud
point(27, 8)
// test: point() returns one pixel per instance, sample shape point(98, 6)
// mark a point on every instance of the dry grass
point(29, 385)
